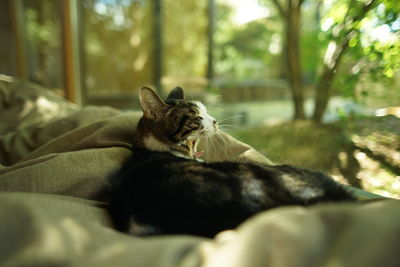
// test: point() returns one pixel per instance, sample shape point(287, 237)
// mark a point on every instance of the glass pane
point(117, 46)
point(185, 44)
point(248, 42)
point(43, 42)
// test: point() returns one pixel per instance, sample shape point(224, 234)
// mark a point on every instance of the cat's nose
point(215, 124)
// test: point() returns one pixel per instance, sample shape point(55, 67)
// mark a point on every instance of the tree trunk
point(293, 58)
point(324, 86)
point(210, 33)
point(332, 59)
point(290, 12)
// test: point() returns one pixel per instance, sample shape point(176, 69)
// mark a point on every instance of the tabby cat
point(165, 189)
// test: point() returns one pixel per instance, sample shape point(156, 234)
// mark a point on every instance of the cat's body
point(164, 189)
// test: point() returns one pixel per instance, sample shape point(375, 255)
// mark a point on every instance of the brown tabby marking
point(175, 125)
point(162, 189)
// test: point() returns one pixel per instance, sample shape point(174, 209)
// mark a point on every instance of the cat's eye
point(200, 118)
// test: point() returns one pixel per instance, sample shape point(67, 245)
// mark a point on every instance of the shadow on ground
point(363, 152)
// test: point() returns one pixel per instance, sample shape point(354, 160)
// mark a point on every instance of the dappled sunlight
point(314, 84)
point(368, 160)
point(329, 55)
point(388, 111)
point(78, 236)
point(376, 179)
point(247, 10)
point(243, 55)
point(43, 106)
point(49, 245)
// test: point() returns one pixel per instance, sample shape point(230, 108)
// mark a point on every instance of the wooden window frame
point(70, 42)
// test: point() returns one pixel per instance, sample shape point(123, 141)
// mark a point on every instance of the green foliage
point(43, 30)
point(246, 51)
point(372, 56)
point(118, 46)
point(311, 55)
point(370, 39)
point(119, 43)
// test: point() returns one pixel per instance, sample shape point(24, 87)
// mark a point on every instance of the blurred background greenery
point(312, 83)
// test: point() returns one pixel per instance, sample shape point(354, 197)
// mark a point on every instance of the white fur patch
point(179, 155)
point(208, 121)
point(152, 143)
point(140, 229)
point(299, 188)
point(309, 193)
point(252, 188)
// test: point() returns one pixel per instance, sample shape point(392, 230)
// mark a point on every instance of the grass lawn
point(363, 152)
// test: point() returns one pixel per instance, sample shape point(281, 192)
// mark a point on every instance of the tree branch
point(324, 86)
point(281, 10)
point(364, 10)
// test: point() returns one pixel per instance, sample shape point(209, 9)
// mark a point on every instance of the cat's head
point(174, 125)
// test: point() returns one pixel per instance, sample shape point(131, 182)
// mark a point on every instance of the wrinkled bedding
point(54, 162)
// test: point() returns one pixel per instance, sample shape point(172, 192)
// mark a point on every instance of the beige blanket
point(54, 162)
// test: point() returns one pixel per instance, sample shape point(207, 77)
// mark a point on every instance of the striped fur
point(167, 126)
point(157, 193)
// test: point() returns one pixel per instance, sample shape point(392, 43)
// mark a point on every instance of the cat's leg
point(120, 213)
point(123, 219)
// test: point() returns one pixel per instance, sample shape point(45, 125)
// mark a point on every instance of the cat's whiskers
point(231, 127)
point(218, 144)
point(227, 149)
point(231, 133)
point(210, 146)
point(213, 145)
point(207, 147)
point(230, 118)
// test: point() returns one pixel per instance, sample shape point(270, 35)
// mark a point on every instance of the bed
point(54, 162)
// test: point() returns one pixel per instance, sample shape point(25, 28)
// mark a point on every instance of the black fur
point(172, 195)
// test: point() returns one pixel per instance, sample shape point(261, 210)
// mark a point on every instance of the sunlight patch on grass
point(301, 143)
point(326, 148)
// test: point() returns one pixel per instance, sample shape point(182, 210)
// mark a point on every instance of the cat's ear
point(176, 93)
point(152, 105)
